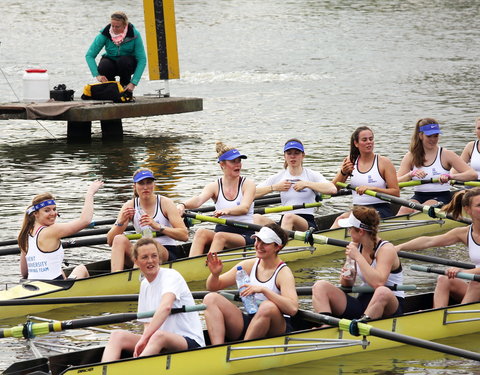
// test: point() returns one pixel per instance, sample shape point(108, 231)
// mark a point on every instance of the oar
point(437, 260)
point(356, 328)
point(271, 210)
point(301, 291)
point(436, 180)
point(429, 210)
point(30, 330)
point(465, 183)
point(300, 236)
point(78, 243)
point(460, 275)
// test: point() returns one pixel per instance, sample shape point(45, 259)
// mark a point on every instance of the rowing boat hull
point(194, 269)
point(262, 354)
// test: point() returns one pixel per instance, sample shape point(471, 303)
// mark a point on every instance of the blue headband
point(36, 207)
point(231, 154)
point(142, 175)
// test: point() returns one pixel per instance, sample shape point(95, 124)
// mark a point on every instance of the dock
point(79, 114)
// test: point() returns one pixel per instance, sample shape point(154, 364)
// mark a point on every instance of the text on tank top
point(372, 177)
point(43, 265)
point(271, 283)
point(433, 170)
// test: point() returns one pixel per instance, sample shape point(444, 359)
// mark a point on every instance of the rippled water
point(267, 71)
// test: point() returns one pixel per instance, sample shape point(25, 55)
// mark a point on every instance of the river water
point(267, 71)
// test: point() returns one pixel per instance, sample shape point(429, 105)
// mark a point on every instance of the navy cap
point(231, 154)
point(293, 144)
point(142, 175)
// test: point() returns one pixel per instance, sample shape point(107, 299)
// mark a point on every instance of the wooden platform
point(80, 114)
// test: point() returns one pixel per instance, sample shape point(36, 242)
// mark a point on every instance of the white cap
point(267, 235)
point(352, 221)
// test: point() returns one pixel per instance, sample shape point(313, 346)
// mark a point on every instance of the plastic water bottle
point(349, 269)
point(146, 230)
point(249, 302)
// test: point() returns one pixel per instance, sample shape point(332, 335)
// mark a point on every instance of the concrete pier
point(80, 114)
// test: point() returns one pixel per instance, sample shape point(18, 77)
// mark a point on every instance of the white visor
point(267, 235)
point(352, 221)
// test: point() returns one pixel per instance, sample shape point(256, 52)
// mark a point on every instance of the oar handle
point(460, 275)
point(429, 210)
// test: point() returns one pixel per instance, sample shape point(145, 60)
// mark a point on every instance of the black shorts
point(356, 306)
point(308, 217)
point(191, 343)
point(245, 233)
point(440, 196)
point(383, 209)
point(247, 318)
point(172, 252)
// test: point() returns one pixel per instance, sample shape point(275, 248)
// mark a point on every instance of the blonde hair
point(120, 16)
point(285, 164)
point(29, 221)
point(222, 148)
point(135, 194)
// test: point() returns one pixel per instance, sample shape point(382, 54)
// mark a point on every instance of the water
point(267, 71)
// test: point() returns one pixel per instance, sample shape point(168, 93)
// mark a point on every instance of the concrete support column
point(112, 129)
point(79, 130)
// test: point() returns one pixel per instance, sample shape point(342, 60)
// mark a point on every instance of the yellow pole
point(161, 39)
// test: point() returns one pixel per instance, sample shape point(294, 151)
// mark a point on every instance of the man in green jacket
point(124, 53)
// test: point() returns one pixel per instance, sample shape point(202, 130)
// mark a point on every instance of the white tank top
point(159, 217)
point(473, 249)
point(433, 170)
point(43, 265)
point(271, 283)
point(394, 278)
point(370, 178)
point(223, 203)
point(475, 159)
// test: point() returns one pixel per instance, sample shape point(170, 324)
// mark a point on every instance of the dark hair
point(354, 151)
point(285, 165)
point(29, 222)
point(416, 145)
point(460, 200)
point(146, 241)
point(368, 216)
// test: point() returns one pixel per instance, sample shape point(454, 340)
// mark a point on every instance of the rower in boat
point(471, 152)
point(368, 171)
point(426, 160)
point(272, 283)
point(296, 184)
point(42, 253)
point(376, 263)
point(161, 290)
point(150, 211)
point(233, 197)
point(448, 286)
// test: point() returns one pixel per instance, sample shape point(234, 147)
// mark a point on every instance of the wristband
point(343, 174)
point(119, 224)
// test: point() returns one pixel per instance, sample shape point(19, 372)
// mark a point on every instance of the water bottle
point(146, 230)
point(248, 301)
point(349, 269)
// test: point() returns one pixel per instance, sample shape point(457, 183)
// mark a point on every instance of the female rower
point(160, 291)
point(471, 152)
point(296, 184)
point(146, 209)
point(368, 171)
point(233, 196)
point(427, 160)
point(448, 287)
point(271, 281)
point(42, 253)
point(377, 264)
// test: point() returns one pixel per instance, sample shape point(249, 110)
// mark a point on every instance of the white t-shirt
point(292, 197)
point(170, 281)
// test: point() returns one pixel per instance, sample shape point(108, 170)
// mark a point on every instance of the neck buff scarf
point(118, 38)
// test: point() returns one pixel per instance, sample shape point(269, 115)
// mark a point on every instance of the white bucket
point(36, 86)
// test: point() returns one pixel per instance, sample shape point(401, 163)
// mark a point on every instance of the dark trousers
point(123, 67)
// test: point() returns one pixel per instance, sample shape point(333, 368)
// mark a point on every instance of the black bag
point(111, 90)
point(61, 94)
